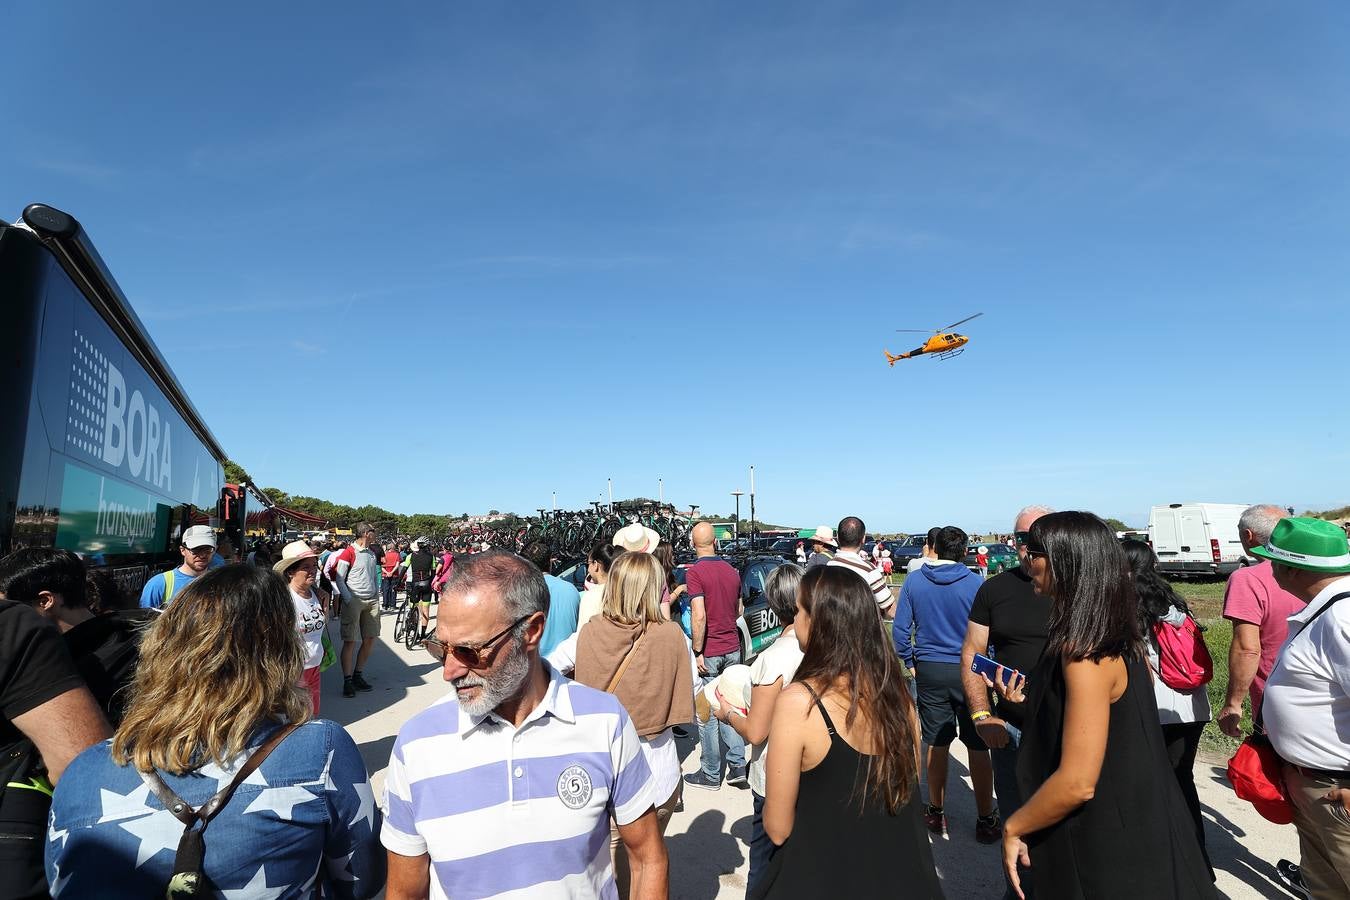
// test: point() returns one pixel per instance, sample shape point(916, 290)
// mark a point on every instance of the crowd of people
point(173, 747)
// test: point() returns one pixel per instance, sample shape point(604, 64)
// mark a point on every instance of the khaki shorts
point(360, 619)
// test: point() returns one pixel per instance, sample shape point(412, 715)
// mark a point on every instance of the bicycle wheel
point(400, 622)
point(412, 632)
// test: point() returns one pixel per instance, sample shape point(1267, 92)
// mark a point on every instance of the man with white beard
point(507, 785)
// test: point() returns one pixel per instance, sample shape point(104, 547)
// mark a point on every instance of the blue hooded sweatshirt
point(935, 605)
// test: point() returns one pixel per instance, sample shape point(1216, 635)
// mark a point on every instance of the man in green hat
point(1307, 702)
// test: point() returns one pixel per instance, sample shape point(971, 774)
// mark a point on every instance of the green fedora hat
point(1313, 544)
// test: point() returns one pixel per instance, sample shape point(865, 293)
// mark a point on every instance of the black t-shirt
point(34, 666)
point(106, 650)
point(1017, 618)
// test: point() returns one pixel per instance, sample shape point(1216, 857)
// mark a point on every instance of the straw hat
point(637, 538)
point(293, 553)
point(825, 535)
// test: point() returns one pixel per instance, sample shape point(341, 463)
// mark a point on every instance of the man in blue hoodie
point(930, 626)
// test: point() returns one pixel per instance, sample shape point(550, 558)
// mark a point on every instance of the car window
point(755, 573)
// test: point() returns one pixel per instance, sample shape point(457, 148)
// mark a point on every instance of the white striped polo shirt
point(875, 578)
point(515, 813)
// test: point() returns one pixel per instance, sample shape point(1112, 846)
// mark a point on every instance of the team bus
point(101, 451)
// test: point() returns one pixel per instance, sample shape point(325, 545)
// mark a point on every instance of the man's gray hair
point(1260, 521)
point(362, 528)
point(519, 583)
point(1035, 510)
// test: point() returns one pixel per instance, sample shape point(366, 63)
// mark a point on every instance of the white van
point(1197, 538)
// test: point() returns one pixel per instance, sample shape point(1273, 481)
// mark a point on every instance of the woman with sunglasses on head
point(633, 651)
point(218, 682)
point(1104, 817)
point(841, 798)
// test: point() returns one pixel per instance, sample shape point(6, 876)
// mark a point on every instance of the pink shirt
point(1253, 597)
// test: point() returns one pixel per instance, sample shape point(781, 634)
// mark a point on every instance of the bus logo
point(110, 425)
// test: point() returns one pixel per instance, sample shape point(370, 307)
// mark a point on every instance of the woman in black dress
point(1104, 817)
point(841, 798)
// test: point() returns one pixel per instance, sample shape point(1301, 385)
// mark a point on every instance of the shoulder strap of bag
point(189, 816)
point(168, 587)
point(1325, 606)
point(623, 666)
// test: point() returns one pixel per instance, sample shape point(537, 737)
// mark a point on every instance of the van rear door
point(1194, 535)
point(1163, 532)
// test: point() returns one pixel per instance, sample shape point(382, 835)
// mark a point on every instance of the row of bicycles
point(572, 533)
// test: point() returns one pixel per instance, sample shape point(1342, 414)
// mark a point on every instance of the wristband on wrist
point(982, 714)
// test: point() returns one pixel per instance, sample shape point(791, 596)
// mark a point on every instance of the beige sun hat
point(825, 535)
point(638, 538)
point(293, 553)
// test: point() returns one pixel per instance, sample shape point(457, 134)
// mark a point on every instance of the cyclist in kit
point(421, 565)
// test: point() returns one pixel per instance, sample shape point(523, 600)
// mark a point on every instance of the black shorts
point(419, 591)
point(942, 706)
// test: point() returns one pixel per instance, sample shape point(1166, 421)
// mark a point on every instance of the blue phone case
point(983, 665)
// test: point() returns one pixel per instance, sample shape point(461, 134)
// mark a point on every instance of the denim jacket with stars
point(306, 817)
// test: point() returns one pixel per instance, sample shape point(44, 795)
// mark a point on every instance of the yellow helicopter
point(943, 344)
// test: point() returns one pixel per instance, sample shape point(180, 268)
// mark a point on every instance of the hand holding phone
point(983, 665)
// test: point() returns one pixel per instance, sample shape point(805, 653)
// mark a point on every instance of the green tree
point(1117, 525)
point(234, 473)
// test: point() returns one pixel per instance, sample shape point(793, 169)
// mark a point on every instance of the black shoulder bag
point(188, 879)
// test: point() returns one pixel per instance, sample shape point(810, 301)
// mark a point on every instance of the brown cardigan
point(657, 688)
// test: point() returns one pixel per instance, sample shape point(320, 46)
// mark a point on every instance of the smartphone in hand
point(983, 665)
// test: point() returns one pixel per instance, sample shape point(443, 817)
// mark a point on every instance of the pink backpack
point(1184, 663)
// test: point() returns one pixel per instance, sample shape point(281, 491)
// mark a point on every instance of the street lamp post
point(737, 529)
point(754, 529)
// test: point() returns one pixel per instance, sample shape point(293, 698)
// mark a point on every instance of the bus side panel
point(21, 275)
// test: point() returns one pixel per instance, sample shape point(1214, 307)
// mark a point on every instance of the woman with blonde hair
point(633, 651)
point(218, 730)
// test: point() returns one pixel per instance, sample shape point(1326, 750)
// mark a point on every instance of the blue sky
point(454, 257)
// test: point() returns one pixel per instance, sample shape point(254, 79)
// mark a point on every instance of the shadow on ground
point(1229, 854)
point(705, 853)
point(389, 675)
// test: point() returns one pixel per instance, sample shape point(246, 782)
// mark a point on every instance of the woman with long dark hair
point(841, 788)
point(1182, 714)
point(1104, 818)
point(598, 561)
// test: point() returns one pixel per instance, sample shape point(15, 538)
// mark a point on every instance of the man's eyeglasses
point(479, 657)
point(1021, 537)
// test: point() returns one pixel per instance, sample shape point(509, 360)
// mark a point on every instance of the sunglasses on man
point(473, 657)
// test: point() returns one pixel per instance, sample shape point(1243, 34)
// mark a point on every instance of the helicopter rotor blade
point(915, 331)
point(963, 321)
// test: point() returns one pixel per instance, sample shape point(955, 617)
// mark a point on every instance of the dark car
point(906, 549)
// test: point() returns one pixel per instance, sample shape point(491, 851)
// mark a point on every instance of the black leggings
point(1182, 740)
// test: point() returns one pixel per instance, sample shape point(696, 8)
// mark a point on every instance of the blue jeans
point(1009, 796)
point(387, 587)
point(709, 731)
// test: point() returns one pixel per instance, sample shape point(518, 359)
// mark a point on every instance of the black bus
point(101, 451)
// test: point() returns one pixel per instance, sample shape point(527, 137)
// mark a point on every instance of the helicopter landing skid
point(948, 354)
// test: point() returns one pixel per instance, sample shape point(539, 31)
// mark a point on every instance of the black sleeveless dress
point(1135, 838)
point(838, 850)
